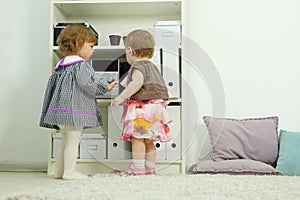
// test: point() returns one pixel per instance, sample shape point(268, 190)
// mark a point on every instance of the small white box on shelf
point(93, 145)
point(167, 33)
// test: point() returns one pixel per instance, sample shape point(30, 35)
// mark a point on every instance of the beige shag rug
point(170, 187)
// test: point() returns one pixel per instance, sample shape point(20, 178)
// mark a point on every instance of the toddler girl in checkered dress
point(70, 103)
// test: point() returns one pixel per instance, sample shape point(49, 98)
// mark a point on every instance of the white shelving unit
point(118, 17)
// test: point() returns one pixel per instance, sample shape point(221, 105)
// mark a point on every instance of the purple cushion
point(240, 166)
point(253, 138)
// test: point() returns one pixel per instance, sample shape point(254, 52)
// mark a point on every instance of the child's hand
point(117, 101)
point(111, 85)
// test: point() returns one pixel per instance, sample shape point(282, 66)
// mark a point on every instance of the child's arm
point(134, 86)
point(111, 85)
point(102, 89)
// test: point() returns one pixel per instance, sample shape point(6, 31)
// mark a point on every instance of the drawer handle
point(92, 147)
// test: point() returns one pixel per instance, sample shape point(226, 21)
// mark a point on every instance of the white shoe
point(74, 175)
point(55, 175)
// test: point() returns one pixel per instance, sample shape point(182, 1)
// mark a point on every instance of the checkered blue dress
point(70, 96)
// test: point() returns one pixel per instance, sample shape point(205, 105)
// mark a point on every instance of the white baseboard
point(23, 166)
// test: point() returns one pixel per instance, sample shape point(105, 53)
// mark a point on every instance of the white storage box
point(171, 65)
point(167, 33)
point(93, 146)
point(160, 150)
point(173, 147)
point(117, 149)
point(156, 58)
point(56, 141)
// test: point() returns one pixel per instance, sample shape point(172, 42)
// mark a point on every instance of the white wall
point(255, 47)
point(24, 71)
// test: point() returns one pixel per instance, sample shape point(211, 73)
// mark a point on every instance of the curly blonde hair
point(141, 42)
point(72, 38)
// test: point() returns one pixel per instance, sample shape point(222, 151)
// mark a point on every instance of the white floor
point(112, 186)
point(11, 182)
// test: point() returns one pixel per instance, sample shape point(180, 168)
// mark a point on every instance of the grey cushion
point(240, 166)
point(252, 138)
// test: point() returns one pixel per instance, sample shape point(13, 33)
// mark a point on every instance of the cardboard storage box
point(93, 146)
point(58, 27)
point(167, 33)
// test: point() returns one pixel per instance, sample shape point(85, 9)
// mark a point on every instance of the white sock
point(150, 164)
point(139, 163)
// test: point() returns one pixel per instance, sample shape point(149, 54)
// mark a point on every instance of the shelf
point(116, 17)
point(112, 48)
point(119, 8)
point(90, 160)
point(175, 100)
point(108, 52)
point(93, 166)
point(108, 100)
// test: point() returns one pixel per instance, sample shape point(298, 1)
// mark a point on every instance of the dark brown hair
point(72, 38)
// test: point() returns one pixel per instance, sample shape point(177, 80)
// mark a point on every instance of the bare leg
point(138, 149)
point(150, 151)
point(150, 157)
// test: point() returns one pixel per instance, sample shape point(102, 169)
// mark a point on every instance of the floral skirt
point(146, 119)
